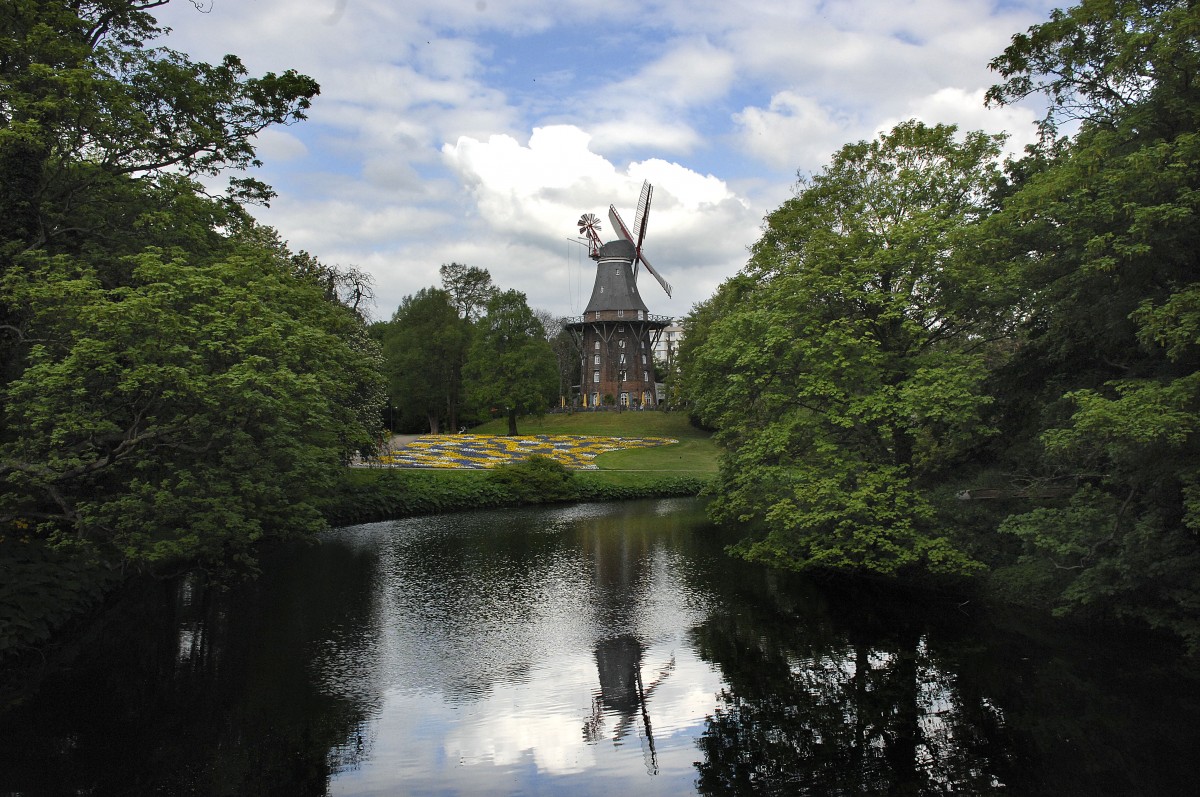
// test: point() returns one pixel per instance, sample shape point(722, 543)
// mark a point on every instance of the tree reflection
point(837, 712)
point(179, 692)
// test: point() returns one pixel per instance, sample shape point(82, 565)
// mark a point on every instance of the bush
point(535, 480)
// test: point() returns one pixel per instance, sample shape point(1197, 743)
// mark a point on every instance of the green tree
point(85, 102)
point(511, 365)
point(423, 349)
point(1104, 385)
point(470, 288)
point(176, 384)
point(843, 366)
point(182, 416)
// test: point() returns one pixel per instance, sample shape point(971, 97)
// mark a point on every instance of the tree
point(843, 366)
point(510, 364)
point(180, 417)
point(84, 103)
point(102, 138)
point(423, 347)
point(566, 351)
point(470, 288)
point(1104, 385)
point(176, 384)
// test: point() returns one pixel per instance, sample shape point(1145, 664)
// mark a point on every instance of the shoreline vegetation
point(683, 465)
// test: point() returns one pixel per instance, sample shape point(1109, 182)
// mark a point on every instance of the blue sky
point(478, 131)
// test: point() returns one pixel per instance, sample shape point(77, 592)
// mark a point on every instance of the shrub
point(535, 480)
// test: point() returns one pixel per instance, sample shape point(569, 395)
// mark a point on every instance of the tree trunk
point(512, 422)
point(433, 422)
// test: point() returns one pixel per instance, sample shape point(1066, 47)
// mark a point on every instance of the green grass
point(683, 468)
point(694, 454)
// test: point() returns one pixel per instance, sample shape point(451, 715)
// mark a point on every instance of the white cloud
point(792, 131)
point(423, 147)
point(966, 109)
point(279, 145)
point(536, 193)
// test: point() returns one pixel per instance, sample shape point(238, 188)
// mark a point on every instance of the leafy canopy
point(842, 366)
point(511, 366)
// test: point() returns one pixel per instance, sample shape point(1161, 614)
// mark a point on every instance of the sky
point(479, 131)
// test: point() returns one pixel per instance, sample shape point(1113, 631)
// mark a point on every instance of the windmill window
point(620, 327)
point(596, 376)
point(621, 343)
point(620, 314)
point(622, 359)
point(639, 315)
point(618, 272)
point(643, 359)
point(645, 376)
point(622, 376)
point(624, 399)
point(596, 360)
point(597, 345)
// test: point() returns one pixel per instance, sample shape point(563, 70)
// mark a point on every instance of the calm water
point(598, 649)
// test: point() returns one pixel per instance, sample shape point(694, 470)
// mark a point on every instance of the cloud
point(535, 193)
point(967, 110)
point(480, 131)
point(791, 131)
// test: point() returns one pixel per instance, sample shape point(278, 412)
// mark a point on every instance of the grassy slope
point(364, 494)
point(695, 454)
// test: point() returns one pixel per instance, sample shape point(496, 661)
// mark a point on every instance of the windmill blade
point(641, 219)
point(618, 224)
point(642, 216)
point(666, 286)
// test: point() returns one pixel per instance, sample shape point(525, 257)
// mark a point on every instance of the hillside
point(695, 452)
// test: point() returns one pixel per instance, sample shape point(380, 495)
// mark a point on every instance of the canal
point(596, 649)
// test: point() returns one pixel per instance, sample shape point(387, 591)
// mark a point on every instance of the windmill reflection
point(620, 554)
point(623, 693)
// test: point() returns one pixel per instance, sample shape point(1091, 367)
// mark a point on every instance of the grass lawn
point(375, 493)
point(694, 454)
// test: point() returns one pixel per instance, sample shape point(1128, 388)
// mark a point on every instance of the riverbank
point(679, 469)
point(370, 494)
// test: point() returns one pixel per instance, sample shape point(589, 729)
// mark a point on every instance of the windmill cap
point(619, 249)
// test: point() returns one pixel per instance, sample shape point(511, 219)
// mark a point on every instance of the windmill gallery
point(616, 334)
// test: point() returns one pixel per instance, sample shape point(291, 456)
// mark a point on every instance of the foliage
point(844, 366)
point(1102, 232)
point(423, 348)
point(510, 365)
point(470, 288)
point(179, 416)
point(176, 384)
point(534, 480)
point(369, 494)
point(85, 102)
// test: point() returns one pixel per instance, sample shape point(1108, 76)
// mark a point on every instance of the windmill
point(616, 333)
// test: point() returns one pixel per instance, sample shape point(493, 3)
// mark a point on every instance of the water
point(595, 649)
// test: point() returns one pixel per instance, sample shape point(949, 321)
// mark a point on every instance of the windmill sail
point(641, 218)
point(666, 286)
point(619, 224)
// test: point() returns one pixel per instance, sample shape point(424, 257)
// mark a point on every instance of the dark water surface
point(597, 649)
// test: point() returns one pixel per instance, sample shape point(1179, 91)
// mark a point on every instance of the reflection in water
point(585, 650)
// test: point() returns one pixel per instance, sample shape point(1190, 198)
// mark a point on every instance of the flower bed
point(474, 451)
